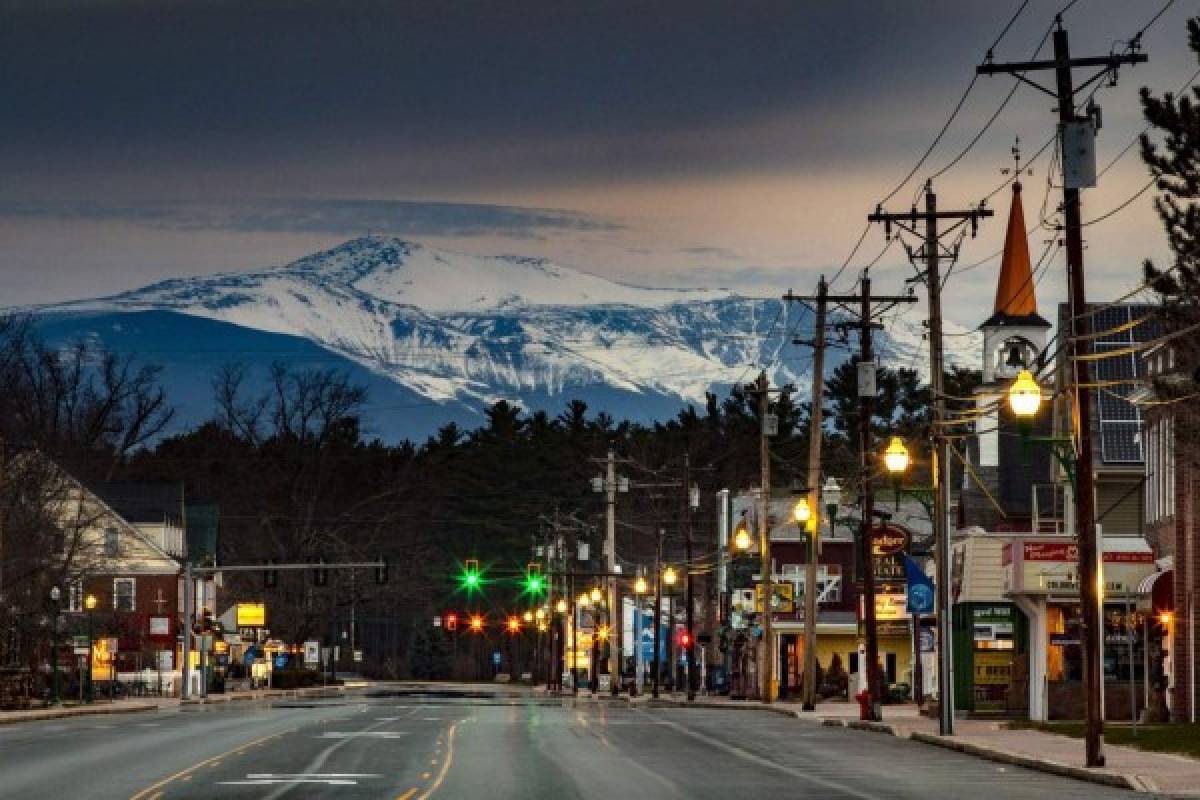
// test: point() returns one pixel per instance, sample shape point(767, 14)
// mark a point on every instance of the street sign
point(281, 660)
point(312, 652)
point(928, 640)
point(358, 656)
point(496, 658)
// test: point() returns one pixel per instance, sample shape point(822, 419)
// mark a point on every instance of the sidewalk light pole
point(89, 603)
point(55, 594)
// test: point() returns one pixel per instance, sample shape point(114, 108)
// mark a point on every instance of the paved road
point(390, 745)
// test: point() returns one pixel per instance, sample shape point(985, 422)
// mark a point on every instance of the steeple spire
point(1014, 291)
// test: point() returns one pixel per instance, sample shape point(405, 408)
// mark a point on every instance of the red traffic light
point(451, 621)
point(685, 639)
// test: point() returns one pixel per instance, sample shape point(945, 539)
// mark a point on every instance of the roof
point(142, 502)
point(1016, 303)
point(1116, 370)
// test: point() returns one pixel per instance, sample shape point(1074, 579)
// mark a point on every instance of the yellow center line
point(426, 776)
point(445, 764)
point(408, 795)
point(186, 774)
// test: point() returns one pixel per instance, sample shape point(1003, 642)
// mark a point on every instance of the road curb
point(1103, 777)
point(64, 713)
point(273, 694)
point(873, 727)
point(785, 712)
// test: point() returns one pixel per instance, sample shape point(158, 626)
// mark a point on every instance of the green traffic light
point(534, 584)
point(471, 579)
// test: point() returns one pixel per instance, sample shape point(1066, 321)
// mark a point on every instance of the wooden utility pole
point(866, 412)
point(690, 649)
point(762, 388)
point(658, 544)
point(931, 253)
point(1080, 348)
point(815, 429)
point(610, 551)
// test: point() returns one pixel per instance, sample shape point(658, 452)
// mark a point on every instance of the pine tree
point(1175, 165)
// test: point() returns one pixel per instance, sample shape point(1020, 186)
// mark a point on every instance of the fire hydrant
point(864, 704)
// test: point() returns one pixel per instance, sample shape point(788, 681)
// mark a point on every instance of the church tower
point(1014, 338)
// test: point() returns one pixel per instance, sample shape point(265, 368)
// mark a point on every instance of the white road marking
point(263, 775)
point(386, 719)
point(439, 719)
point(358, 734)
point(289, 781)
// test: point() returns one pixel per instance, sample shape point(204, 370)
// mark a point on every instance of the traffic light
point(381, 572)
point(270, 575)
point(535, 582)
point(514, 625)
point(451, 621)
point(320, 574)
point(471, 579)
point(476, 624)
point(685, 639)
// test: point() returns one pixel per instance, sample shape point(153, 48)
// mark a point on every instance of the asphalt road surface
point(385, 744)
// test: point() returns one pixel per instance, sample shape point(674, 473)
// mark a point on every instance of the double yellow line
point(144, 794)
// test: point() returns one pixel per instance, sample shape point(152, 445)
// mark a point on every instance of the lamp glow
point(802, 512)
point(1024, 396)
point(669, 576)
point(895, 458)
point(639, 586)
point(741, 538)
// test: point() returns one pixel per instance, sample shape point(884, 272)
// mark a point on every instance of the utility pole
point(815, 429)
point(1085, 510)
point(932, 251)
point(690, 650)
point(610, 546)
point(762, 388)
point(866, 411)
point(657, 606)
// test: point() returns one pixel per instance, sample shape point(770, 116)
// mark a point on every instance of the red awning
point(1161, 587)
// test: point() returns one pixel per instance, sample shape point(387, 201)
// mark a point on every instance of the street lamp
point(89, 603)
point(741, 538)
point(831, 492)
point(669, 576)
point(801, 513)
point(895, 457)
point(597, 595)
point(1024, 396)
point(584, 600)
point(561, 606)
point(527, 616)
point(540, 614)
point(639, 585)
point(55, 594)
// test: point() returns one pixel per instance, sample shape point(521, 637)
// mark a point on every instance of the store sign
point(312, 652)
point(1066, 551)
point(889, 568)
point(160, 626)
point(889, 540)
point(251, 615)
point(891, 606)
point(783, 600)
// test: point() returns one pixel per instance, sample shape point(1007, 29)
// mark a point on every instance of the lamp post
point(89, 603)
point(55, 594)
point(640, 588)
point(1024, 399)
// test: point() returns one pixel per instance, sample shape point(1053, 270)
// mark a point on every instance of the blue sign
point(250, 655)
point(920, 588)
point(496, 658)
point(281, 660)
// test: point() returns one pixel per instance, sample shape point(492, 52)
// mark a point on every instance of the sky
point(673, 142)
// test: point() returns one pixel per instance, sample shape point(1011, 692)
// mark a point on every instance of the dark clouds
point(348, 217)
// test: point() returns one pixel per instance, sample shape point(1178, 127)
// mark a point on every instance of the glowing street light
point(597, 595)
point(584, 601)
point(527, 616)
point(669, 576)
point(561, 606)
point(741, 538)
point(1024, 396)
point(540, 614)
point(802, 512)
point(895, 457)
point(639, 586)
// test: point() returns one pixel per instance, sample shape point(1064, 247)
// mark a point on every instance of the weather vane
point(1015, 171)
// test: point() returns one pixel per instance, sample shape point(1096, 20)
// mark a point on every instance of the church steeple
point(1015, 333)
point(1015, 292)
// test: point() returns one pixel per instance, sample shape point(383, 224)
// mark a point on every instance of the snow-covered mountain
point(439, 335)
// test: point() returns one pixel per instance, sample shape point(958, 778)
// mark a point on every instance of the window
point(75, 596)
point(123, 594)
point(112, 541)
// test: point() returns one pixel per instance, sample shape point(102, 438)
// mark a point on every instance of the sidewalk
point(1164, 774)
point(134, 705)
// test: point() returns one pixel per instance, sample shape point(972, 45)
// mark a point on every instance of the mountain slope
point(450, 333)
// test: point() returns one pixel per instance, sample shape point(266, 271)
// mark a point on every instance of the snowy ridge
point(464, 329)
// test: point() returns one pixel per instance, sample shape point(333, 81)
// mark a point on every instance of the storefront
point(991, 658)
point(1043, 582)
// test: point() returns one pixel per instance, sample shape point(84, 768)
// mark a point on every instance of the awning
point(1157, 591)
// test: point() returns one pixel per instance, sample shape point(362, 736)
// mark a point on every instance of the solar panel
point(1120, 420)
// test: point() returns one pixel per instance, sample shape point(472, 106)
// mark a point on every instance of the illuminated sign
point(251, 615)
